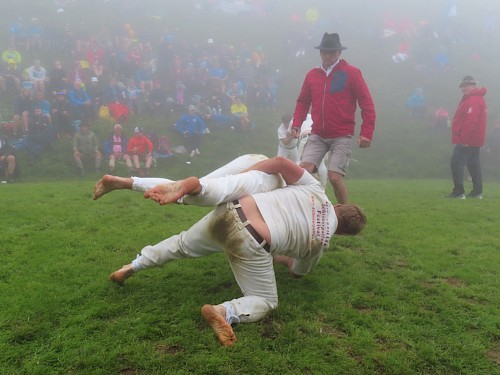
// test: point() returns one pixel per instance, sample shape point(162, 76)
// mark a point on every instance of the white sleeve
point(303, 266)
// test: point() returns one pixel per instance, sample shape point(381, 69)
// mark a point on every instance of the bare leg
point(216, 317)
point(170, 193)
point(339, 188)
point(122, 274)
point(109, 183)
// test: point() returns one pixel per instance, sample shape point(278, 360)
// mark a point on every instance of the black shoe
point(456, 196)
point(474, 195)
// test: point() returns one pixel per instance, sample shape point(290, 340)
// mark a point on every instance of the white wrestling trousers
point(289, 153)
point(222, 230)
point(223, 187)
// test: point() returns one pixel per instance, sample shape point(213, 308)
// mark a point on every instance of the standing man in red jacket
point(468, 131)
point(332, 91)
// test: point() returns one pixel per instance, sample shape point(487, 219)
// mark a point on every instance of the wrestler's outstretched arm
point(261, 177)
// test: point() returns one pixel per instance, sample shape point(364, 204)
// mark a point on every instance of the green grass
point(416, 293)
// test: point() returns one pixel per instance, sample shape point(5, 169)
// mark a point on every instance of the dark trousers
point(192, 142)
point(466, 156)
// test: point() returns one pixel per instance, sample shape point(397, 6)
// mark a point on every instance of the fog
point(400, 46)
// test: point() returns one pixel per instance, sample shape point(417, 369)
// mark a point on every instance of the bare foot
point(122, 274)
point(218, 323)
point(172, 192)
point(109, 183)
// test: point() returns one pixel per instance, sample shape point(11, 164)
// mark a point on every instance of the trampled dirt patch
point(168, 349)
point(453, 281)
point(494, 355)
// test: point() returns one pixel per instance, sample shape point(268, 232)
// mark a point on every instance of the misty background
point(399, 46)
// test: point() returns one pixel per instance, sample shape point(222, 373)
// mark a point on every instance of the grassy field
point(416, 293)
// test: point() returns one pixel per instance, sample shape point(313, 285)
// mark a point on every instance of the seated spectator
point(79, 72)
point(180, 89)
point(265, 94)
point(95, 57)
point(134, 97)
point(7, 160)
point(115, 148)
point(26, 82)
point(144, 77)
point(233, 92)
point(57, 78)
point(10, 79)
point(11, 56)
point(34, 35)
point(216, 101)
point(79, 99)
point(41, 133)
point(217, 75)
point(115, 97)
point(416, 104)
point(37, 75)
point(212, 119)
point(23, 106)
point(37, 121)
point(44, 104)
point(61, 115)
point(192, 127)
point(156, 101)
point(86, 146)
point(141, 150)
point(96, 93)
point(11, 75)
point(239, 112)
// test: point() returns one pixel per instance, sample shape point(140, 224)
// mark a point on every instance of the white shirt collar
point(329, 70)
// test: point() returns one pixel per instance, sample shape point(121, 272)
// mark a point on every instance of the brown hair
point(352, 219)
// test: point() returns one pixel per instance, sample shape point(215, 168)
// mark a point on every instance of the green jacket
point(85, 143)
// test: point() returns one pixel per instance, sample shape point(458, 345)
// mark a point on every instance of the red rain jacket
point(469, 123)
point(333, 100)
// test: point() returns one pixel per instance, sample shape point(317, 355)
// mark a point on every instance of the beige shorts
point(340, 152)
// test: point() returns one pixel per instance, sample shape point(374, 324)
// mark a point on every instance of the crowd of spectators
point(117, 75)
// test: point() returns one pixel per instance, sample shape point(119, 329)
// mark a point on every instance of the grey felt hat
point(331, 42)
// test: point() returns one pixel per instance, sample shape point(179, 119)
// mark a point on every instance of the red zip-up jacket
point(333, 100)
point(469, 122)
point(142, 143)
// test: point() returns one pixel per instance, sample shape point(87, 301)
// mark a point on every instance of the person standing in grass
point(332, 92)
point(468, 135)
point(253, 231)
